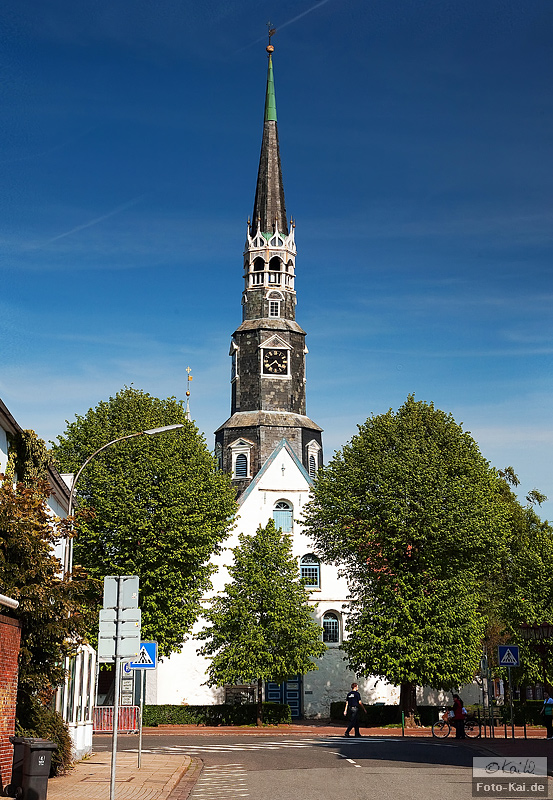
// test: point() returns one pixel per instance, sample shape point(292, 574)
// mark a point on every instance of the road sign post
point(147, 659)
point(508, 655)
point(118, 637)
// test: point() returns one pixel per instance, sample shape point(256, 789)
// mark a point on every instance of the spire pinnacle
point(270, 99)
point(269, 208)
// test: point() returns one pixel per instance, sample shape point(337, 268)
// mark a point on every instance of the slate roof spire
point(269, 210)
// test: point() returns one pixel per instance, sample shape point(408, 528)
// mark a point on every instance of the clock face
point(275, 362)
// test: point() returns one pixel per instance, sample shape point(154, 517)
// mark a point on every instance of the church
point(272, 450)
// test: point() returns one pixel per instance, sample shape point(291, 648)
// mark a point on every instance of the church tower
point(268, 349)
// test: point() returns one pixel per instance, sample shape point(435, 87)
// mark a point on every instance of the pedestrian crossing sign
point(147, 656)
point(508, 655)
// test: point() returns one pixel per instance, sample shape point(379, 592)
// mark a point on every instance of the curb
point(188, 780)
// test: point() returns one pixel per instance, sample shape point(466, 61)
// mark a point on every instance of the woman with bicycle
point(459, 715)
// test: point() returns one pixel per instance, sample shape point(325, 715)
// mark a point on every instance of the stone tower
point(268, 349)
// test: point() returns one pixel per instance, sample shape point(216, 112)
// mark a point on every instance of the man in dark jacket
point(353, 702)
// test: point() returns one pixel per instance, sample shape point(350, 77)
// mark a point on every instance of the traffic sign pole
point(511, 702)
point(142, 679)
point(115, 701)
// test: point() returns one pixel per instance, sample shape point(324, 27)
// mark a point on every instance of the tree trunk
point(259, 702)
point(408, 703)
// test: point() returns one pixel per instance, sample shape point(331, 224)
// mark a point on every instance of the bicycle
point(442, 727)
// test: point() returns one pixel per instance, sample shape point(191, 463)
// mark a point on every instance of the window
point(310, 571)
point(331, 628)
point(258, 264)
point(282, 515)
point(241, 466)
point(313, 457)
point(241, 454)
point(274, 308)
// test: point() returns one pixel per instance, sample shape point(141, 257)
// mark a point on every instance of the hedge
point(245, 714)
point(378, 716)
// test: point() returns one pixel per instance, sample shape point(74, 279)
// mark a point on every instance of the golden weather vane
point(187, 411)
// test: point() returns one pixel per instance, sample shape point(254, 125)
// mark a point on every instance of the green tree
point(412, 512)
point(262, 627)
point(523, 591)
point(160, 507)
point(51, 605)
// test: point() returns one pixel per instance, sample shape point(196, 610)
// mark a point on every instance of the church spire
point(269, 211)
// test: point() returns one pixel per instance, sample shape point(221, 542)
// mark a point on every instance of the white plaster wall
point(3, 450)
point(181, 678)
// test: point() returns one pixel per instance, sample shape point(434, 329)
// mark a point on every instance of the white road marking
point(221, 782)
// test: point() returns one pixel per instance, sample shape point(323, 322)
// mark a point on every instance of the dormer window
point(313, 456)
point(241, 459)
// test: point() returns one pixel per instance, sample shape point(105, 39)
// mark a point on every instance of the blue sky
point(416, 145)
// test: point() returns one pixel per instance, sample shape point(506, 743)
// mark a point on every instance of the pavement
point(172, 777)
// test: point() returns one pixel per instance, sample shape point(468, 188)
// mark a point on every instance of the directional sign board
point(508, 655)
point(147, 657)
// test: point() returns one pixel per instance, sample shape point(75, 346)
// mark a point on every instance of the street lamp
point(151, 432)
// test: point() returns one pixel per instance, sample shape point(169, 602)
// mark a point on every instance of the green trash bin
point(37, 759)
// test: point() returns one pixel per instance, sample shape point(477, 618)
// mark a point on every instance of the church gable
point(282, 472)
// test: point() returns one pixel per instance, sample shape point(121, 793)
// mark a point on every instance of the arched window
point(331, 628)
point(258, 264)
point(275, 263)
point(241, 466)
point(310, 571)
point(282, 515)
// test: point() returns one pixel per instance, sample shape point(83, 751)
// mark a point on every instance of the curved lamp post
point(150, 432)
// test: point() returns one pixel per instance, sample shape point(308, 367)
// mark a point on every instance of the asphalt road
point(265, 767)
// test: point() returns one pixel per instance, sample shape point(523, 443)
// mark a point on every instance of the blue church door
point(287, 692)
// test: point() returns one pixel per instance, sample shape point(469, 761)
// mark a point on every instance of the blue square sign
point(147, 656)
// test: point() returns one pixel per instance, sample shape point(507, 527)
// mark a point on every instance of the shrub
point(38, 721)
point(222, 714)
point(378, 716)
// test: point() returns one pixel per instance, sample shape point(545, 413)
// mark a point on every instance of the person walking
point(459, 715)
point(547, 711)
point(353, 702)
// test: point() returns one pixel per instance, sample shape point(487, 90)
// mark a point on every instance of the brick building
point(10, 635)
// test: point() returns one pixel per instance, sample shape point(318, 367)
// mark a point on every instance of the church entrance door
point(287, 692)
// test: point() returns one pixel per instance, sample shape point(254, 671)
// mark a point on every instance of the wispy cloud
point(287, 23)
point(94, 221)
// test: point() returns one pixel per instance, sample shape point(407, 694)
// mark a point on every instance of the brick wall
point(10, 634)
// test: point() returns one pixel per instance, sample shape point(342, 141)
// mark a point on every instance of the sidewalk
point(161, 777)
point(172, 777)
